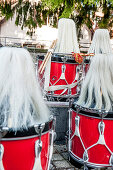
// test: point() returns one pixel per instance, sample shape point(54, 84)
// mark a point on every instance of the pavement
point(60, 160)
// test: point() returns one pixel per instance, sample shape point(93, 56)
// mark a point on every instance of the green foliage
point(6, 10)
point(81, 11)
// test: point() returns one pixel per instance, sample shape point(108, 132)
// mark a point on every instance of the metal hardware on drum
point(85, 166)
point(38, 143)
point(64, 59)
point(3, 131)
point(1, 151)
point(39, 128)
point(69, 143)
point(85, 156)
point(103, 113)
point(32, 144)
point(111, 160)
point(54, 78)
point(38, 148)
point(71, 102)
point(94, 149)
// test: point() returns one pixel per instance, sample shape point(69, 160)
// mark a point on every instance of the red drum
point(28, 149)
point(65, 72)
point(91, 136)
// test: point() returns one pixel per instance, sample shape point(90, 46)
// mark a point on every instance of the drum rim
point(23, 138)
point(91, 112)
point(60, 98)
point(56, 57)
point(46, 127)
point(89, 164)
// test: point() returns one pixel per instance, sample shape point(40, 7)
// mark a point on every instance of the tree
point(83, 11)
point(34, 14)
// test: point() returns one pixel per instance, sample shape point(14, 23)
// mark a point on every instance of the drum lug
point(38, 148)
point(39, 128)
point(71, 101)
point(63, 72)
point(3, 131)
point(103, 113)
point(85, 156)
point(69, 91)
point(111, 160)
point(101, 127)
point(64, 59)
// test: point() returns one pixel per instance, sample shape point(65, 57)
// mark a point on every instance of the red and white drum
point(64, 75)
point(29, 149)
point(91, 136)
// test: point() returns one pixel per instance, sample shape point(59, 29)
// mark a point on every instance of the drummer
point(21, 102)
point(97, 88)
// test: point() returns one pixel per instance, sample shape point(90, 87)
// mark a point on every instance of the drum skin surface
point(20, 154)
point(99, 151)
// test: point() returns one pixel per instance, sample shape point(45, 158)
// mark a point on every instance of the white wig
point(21, 102)
point(67, 37)
point(97, 88)
point(101, 42)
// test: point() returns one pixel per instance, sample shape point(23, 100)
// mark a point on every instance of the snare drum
point(29, 149)
point(91, 136)
point(66, 72)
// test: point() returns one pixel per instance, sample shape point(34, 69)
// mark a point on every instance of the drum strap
point(1, 155)
point(60, 87)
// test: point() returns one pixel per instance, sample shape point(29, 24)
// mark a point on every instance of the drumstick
point(43, 62)
point(47, 56)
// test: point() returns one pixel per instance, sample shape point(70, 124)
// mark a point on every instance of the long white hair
point(97, 88)
point(101, 42)
point(21, 102)
point(67, 37)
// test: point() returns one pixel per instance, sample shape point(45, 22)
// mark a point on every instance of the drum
point(65, 76)
point(29, 149)
point(90, 136)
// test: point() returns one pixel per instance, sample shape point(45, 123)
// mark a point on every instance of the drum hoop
point(33, 131)
point(91, 165)
point(60, 98)
point(23, 138)
point(57, 57)
point(91, 112)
